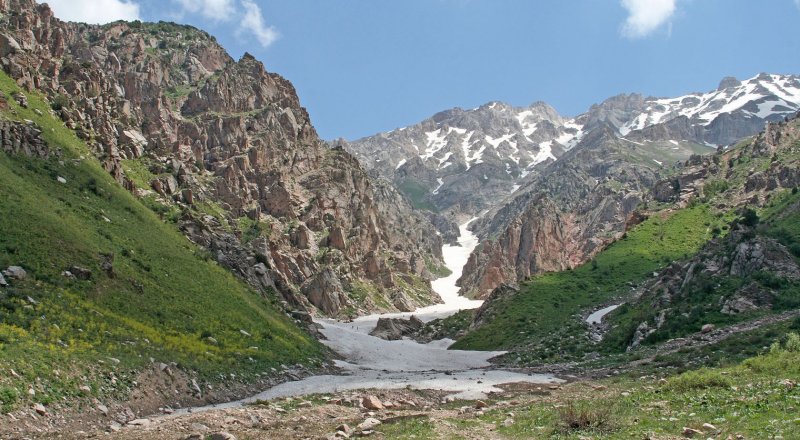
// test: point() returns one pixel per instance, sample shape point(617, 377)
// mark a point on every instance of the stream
point(372, 362)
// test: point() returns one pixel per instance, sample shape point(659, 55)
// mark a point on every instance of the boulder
point(336, 238)
point(707, 328)
point(80, 273)
point(21, 99)
point(3, 282)
point(107, 264)
point(134, 142)
point(188, 196)
point(301, 237)
point(690, 432)
point(392, 329)
point(372, 403)
point(368, 424)
point(8, 45)
point(15, 273)
point(325, 292)
point(665, 191)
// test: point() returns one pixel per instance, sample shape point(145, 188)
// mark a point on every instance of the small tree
point(750, 218)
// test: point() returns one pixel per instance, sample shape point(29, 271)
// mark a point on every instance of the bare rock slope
point(224, 148)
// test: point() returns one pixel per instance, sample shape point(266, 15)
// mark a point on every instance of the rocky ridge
point(465, 161)
point(598, 190)
point(748, 269)
point(227, 149)
point(567, 214)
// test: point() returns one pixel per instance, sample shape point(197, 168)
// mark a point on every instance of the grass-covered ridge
point(165, 298)
point(698, 302)
point(544, 319)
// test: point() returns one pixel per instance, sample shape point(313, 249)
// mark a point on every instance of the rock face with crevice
point(562, 218)
point(227, 148)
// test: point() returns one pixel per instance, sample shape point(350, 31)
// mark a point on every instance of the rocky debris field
point(370, 413)
point(646, 407)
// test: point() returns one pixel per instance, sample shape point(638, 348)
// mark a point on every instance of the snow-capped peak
point(763, 96)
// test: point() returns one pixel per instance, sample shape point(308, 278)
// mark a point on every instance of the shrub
point(770, 280)
point(792, 344)
point(749, 218)
point(59, 102)
point(586, 416)
point(698, 380)
point(795, 249)
point(8, 397)
point(783, 358)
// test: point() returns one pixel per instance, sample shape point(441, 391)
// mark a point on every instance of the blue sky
point(364, 66)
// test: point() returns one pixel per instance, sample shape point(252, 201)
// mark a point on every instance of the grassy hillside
point(543, 321)
point(165, 299)
point(699, 300)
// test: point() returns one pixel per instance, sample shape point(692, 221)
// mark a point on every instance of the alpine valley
point(182, 256)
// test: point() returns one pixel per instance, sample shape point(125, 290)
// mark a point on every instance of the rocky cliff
point(225, 149)
point(571, 211)
point(596, 191)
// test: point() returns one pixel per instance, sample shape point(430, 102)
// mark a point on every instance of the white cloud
point(797, 2)
point(220, 10)
point(645, 16)
point(253, 23)
point(95, 11)
point(249, 16)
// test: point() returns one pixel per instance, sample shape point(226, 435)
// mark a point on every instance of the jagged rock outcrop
point(562, 218)
point(229, 145)
point(393, 329)
point(21, 138)
point(739, 255)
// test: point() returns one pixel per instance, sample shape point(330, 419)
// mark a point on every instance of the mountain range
point(550, 191)
point(465, 161)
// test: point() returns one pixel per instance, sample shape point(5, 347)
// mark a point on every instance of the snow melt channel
point(375, 363)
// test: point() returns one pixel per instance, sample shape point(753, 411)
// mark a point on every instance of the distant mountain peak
point(728, 82)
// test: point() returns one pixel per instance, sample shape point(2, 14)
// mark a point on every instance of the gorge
point(181, 254)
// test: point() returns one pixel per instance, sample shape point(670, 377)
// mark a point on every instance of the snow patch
point(597, 317)
point(441, 182)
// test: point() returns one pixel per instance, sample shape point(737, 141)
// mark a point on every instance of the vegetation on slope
point(164, 299)
point(544, 319)
point(699, 301)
